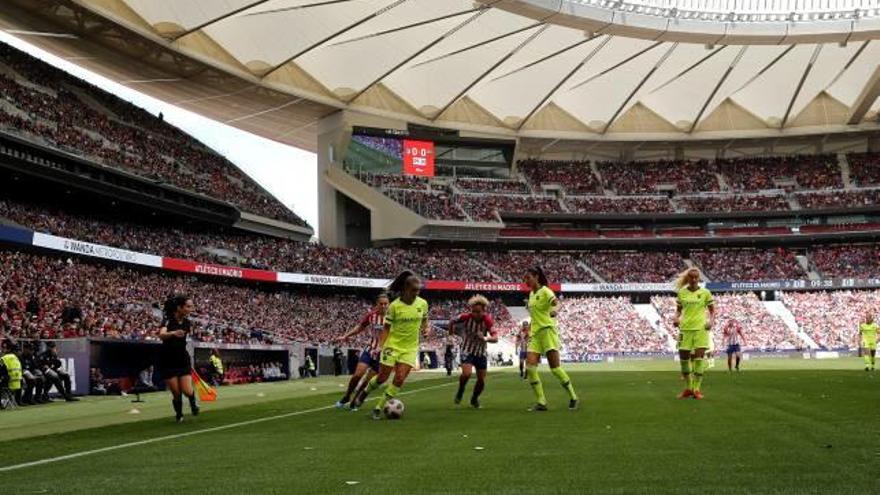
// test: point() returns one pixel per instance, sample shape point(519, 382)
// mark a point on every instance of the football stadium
point(439, 246)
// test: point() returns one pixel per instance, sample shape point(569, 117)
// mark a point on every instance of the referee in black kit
point(175, 362)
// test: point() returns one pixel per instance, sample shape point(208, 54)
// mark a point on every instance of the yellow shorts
point(544, 341)
point(870, 344)
point(391, 356)
point(691, 340)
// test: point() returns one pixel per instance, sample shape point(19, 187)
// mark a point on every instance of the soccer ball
point(393, 409)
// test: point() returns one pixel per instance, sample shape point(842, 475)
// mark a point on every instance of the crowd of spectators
point(728, 203)
point(396, 181)
point(511, 266)
point(487, 208)
point(847, 261)
point(839, 199)
point(832, 318)
point(439, 206)
point(645, 177)
point(763, 331)
point(576, 177)
point(46, 103)
point(619, 204)
point(759, 173)
point(729, 264)
point(269, 371)
point(864, 168)
point(604, 324)
point(492, 186)
point(632, 266)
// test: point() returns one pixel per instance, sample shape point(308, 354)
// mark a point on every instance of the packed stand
point(395, 181)
point(605, 204)
point(439, 206)
point(864, 168)
point(492, 186)
point(748, 264)
point(576, 177)
point(762, 331)
point(839, 199)
point(832, 318)
point(46, 105)
point(47, 297)
point(512, 266)
point(590, 325)
point(486, 208)
point(760, 173)
point(848, 261)
point(616, 266)
point(645, 177)
point(714, 204)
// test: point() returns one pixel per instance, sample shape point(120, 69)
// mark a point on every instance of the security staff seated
point(54, 374)
point(33, 376)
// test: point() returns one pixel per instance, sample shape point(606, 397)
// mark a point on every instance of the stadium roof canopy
point(554, 69)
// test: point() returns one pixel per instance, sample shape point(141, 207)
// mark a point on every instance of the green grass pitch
point(780, 427)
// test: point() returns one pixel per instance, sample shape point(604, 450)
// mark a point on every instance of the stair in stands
point(845, 171)
point(779, 309)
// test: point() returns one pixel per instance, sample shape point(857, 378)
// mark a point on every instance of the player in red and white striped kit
point(368, 364)
point(476, 330)
point(733, 341)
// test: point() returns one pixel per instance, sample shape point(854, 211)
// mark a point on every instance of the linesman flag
point(205, 391)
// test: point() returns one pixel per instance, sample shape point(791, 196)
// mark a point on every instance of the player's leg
point(873, 358)
point(700, 366)
point(684, 359)
point(522, 365)
point(176, 402)
point(730, 355)
point(467, 368)
point(401, 371)
point(554, 360)
point(739, 357)
point(532, 360)
point(385, 370)
point(186, 388)
point(359, 372)
point(481, 383)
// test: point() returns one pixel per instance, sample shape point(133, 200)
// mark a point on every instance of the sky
point(289, 173)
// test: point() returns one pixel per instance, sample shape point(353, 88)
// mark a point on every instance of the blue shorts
point(523, 354)
point(733, 349)
point(369, 360)
point(481, 363)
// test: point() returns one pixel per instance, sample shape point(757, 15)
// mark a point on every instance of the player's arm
point(164, 334)
point(676, 320)
point(492, 336)
point(425, 327)
point(554, 306)
point(742, 337)
point(451, 327)
point(383, 335)
point(359, 328)
point(711, 321)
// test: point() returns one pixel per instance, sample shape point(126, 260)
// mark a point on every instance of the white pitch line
point(249, 422)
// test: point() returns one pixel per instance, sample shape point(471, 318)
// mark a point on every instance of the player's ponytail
point(538, 272)
point(399, 282)
point(681, 278)
point(173, 303)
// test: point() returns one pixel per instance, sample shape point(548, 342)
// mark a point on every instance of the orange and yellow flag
point(205, 391)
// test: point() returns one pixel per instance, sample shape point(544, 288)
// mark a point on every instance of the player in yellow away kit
point(405, 319)
point(544, 338)
point(868, 344)
point(693, 305)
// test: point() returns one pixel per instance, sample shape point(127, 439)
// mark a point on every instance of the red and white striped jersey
point(472, 331)
point(373, 322)
point(732, 333)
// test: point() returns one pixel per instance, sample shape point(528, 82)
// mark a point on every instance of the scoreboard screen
point(418, 158)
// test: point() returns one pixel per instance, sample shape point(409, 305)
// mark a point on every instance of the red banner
point(418, 158)
point(480, 286)
point(218, 270)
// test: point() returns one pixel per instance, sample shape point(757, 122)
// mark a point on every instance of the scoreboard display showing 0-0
point(418, 158)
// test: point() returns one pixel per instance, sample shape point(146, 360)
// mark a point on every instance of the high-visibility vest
point(217, 364)
point(13, 370)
